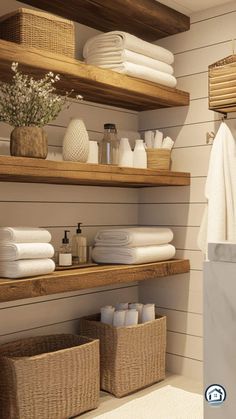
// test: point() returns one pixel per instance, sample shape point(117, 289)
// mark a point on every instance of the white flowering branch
point(30, 102)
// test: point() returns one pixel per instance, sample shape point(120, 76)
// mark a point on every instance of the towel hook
point(211, 135)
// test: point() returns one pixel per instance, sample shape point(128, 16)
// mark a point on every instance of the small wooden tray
point(79, 265)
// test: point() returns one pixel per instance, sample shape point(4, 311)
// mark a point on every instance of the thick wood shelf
point(84, 278)
point(147, 19)
point(94, 83)
point(19, 169)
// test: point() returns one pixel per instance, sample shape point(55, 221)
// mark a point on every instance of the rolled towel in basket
point(26, 268)
point(133, 255)
point(119, 40)
point(24, 235)
point(134, 236)
point(15, 251)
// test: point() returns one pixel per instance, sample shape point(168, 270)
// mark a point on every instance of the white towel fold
point(144, 73)
point(115, 58)
point(134, 236)
point(26, 268)
point(24, 235)
point(15, 251)
point(133, 255)
point(118, 41)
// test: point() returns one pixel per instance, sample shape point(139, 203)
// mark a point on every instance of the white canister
point(93, 152)
point(125, 156)
point(107, 314)
point(122, 306)
point(139, 308)
point(148, 313)
point(119, 318)
point(131, 317)
point(140, 155)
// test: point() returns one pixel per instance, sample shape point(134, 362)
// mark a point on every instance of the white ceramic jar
point(76, 142)
point(125, 158)
point(140, 155)
point(93, 152)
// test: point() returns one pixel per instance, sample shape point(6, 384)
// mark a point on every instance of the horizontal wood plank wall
point(58, 207)
point(208, 40)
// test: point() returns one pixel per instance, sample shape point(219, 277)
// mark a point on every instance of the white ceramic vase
point(140, 155)
point(93, 152)
point(76, 142)
point(125, 156)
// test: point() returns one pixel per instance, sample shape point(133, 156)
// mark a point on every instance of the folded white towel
point(134, 236)
point(26, 268)
point(118, 57)
point(118, 40)
point(144, 73)
point(15, 251)
point(133, 255)
point(24, 235)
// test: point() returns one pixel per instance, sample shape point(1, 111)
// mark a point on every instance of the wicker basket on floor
point(49, 377)
point(131, 357)
point(40, 30)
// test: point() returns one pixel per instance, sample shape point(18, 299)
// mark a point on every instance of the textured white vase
point(76, 142)
point(125, 156)
point(140, 155)
point(93, 152)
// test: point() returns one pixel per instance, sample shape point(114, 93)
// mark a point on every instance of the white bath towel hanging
point(219, 219)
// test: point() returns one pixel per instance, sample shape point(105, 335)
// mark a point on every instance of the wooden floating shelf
point(147, 19)
point(95, 84)
point(84, 278)
point(20, 169)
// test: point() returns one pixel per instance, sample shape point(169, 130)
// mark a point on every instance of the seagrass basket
point(40, 30)
point(131, 357)
point(49, 377)
point(221, 84)
point(158, 158)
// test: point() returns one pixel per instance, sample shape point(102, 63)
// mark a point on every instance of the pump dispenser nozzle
point(79, 231)
point(65, 239)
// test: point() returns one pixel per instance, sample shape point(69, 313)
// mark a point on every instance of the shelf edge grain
point(86, 278)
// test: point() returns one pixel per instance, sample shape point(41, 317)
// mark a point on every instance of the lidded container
point(109, 146)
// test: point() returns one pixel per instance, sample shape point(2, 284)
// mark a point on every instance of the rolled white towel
point(119, 318)
point(26, 268)
point(15, 251)
point(148, 313)
point(107, 314)
point(119, 40)
point(133, 255)
point(131, 317)
point(24, 235)
point(118, 57)
point(134, 236)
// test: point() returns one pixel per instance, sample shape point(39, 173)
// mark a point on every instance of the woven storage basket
point(49, 377)
point(40, 30)
point(131, 357)
point(222, 91)
point(158, 158)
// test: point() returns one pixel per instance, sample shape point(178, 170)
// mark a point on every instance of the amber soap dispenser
point(79, 247)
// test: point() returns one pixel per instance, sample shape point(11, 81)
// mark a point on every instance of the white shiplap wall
point(57, 207)
point(180, 297)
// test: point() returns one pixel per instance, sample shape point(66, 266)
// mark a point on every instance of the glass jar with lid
point(109, 146)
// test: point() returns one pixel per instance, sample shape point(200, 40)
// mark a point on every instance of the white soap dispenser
point(79, 247)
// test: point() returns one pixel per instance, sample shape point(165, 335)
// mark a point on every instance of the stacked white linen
point(127, 54)
point(25, 252)
point(133, 245)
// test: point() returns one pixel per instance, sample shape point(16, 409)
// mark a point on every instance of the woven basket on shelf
point(131, 357)
point(222, 92)
point(54, 377)
point(40, 30)
point(158, 158)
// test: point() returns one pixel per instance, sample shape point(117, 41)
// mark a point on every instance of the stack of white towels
point(133, 245)
point(25, 252)
point(127, 314)
point(127, 54)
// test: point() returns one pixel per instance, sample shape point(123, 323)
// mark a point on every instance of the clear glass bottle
point(109, 146)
